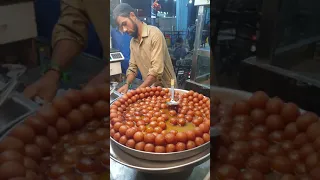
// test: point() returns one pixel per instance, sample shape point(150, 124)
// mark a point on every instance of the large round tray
point(157, 167)
point(163, 156)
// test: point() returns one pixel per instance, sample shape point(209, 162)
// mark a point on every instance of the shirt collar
point(145, 31)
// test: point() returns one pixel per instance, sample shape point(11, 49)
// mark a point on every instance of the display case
point(200, 72)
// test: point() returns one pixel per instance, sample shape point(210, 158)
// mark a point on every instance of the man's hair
point(122, 9)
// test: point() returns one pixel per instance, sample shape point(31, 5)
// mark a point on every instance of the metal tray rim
point(157, 170)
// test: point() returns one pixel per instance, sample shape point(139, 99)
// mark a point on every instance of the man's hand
point(45, 88)
point(124, 89)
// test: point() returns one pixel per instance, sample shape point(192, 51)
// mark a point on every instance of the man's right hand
point(124, 89)
point(45, 88)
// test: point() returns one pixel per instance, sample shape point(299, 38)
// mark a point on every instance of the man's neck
point(140, 29)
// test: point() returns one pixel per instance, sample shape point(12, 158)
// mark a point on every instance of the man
point(149, 52)
point(69, 39)
point(191, 36)
point(180, 51)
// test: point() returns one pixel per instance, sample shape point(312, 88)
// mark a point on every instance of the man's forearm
point(130, 78)
point(148, 82)
point(64, 51)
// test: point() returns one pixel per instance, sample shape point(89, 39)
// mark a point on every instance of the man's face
point(127, 25)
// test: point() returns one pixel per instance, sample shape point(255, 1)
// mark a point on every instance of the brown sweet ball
point(227, 172)
point(76, 119)
point(290, 131)
point(104, 90)
point(258, 116)
point(23, 132)
point(49, 114)
point(11, 155)
point(149, 138)
point(52, 134)
point(275, 150)
point(171, 138)
point(241, 107)
point(62, 105)
point(241, 146)
point(305, 150)
point(290, 112)
point(259, 145)
point(294, 157)
point(30, 164)
point(276, 136)
point(313, 131)
point(287, 146)
point(316, 144)
point(305, 120)
point(199, 141)
point(274, 105)
point(251, 174)
point(312, 160)
point(274, 122)
point(255, 134)
point(160, 140)
point(282, 164)
point(43, 143)
point(241, 127)
point(37, 123)
point(33, 151)
point(314, 173)
point(259, 163)
point(63, 126)
point(87, 111)
point(288, 177)
point(140, 146)
point(101, 108)
point(300, 140)
point(181, 137)
point(258, 99)
point(11, 143)
point(74, 96)
point(160, 149)
point(191, 144)
point(149, 147)
point(11, 169)
point(90, 94)
point(236, 135)
point(304, 177)
point(235, 159)
point(170, 148)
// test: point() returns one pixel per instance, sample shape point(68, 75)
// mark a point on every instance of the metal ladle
point(172, 104)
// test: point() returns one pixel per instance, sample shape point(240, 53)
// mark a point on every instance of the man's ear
point(132, 15)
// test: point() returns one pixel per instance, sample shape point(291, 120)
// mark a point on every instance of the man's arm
point(132, 70)
point(70, 33)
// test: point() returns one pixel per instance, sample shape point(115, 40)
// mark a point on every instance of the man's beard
point(135, 29)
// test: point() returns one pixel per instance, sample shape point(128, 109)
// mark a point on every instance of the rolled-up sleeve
point(157, 56)
point(133, 68)
point(72, 23)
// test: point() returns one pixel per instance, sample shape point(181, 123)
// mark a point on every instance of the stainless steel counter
point(121, 172)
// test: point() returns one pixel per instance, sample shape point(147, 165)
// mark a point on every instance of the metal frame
point(197, 50)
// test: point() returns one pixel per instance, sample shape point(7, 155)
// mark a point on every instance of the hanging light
point(190, 1)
